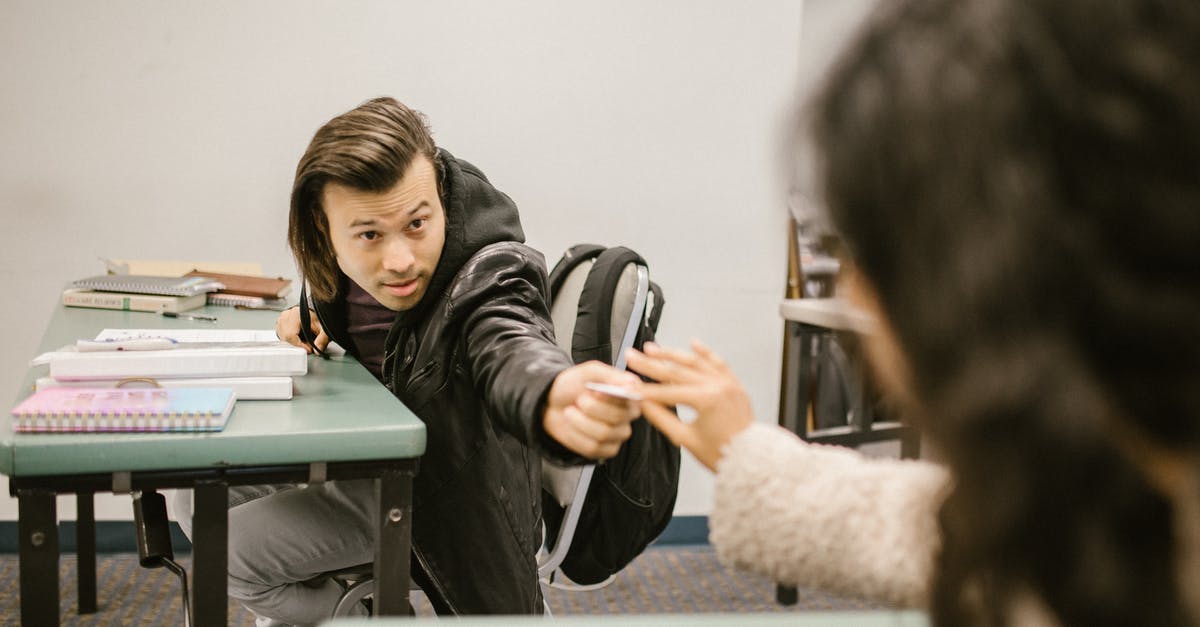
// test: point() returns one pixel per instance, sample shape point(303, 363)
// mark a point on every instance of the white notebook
point(282, 360)
point(246, 388)
point(189, 359)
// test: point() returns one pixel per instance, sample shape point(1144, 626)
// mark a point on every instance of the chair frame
point(803, 343)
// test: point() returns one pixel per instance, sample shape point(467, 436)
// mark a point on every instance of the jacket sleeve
point(827, 517)
point(501, 293)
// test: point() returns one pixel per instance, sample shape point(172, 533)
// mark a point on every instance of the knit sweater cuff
point(827, 517)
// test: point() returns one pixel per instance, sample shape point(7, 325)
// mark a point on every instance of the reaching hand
point(287, 328)
point(587, 422)
point(702, 381)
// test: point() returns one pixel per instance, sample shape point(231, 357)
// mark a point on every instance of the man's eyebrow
point(372, 220)
point(416, 208)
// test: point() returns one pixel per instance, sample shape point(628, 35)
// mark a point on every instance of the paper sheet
point(207, 336)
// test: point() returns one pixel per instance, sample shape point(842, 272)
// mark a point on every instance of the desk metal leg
point(395, 543)
point(37, 526)
point(795, 398)
point(792, 412)
point(210, 555)
point(85, 550)
point(807, 343)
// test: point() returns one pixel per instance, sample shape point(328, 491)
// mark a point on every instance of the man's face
point(389, 243)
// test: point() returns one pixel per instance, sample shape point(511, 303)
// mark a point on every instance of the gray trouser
point(282, 537)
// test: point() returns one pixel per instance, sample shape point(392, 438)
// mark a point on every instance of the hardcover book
point(75, 297)
point(247, 285)
point(73, 410)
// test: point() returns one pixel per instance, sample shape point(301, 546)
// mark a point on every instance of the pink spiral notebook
point(82, 410)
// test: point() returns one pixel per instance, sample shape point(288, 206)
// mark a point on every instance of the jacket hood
point(477, 215)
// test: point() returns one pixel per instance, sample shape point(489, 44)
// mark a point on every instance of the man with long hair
point(416, 266)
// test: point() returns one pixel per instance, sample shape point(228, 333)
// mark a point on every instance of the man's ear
point(439, 169)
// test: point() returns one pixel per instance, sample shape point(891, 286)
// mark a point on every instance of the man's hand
point(587, 422)
point(700, 380)
point(287, 328)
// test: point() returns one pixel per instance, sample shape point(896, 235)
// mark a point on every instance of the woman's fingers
point(680, 433)
point(672, 393)
point(689, 361)
point(700, 380)
point(667, 422)
point(644, 365)
point(662, 366)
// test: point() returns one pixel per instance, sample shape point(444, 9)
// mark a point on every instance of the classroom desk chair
point(824, 395)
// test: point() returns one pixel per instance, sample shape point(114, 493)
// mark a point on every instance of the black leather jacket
point(475, 360)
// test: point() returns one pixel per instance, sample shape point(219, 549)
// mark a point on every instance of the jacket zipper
point(436, 584)
point(389, 377)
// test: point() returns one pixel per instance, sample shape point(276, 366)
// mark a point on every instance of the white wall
point(146, 129)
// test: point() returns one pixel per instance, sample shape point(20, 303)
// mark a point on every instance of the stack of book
point(174, 294)
point(131, 292)
point(251, 364)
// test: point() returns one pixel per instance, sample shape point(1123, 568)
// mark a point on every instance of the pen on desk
point(189, 316)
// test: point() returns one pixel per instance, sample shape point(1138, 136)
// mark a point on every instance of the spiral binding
point(146, 418)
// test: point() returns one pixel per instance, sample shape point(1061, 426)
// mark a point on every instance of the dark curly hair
point(1020, 182)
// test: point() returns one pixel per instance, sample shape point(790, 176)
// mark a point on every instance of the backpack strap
point(574, 256)
point(598, 335)
point(653, 314)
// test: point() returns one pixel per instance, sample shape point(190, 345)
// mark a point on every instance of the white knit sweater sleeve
point(827, 517)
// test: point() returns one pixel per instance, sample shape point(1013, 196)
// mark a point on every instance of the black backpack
point(631, 496)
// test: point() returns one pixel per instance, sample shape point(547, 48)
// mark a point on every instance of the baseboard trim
point(117, 536)
point(685, 530)
point(112, 536)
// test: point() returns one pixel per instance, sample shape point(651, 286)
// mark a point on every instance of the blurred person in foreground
point(1017, 188)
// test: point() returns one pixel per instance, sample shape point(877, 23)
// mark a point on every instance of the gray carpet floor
point(667, 579)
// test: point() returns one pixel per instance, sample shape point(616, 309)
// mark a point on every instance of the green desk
point(792, 619)
point(341, 424)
